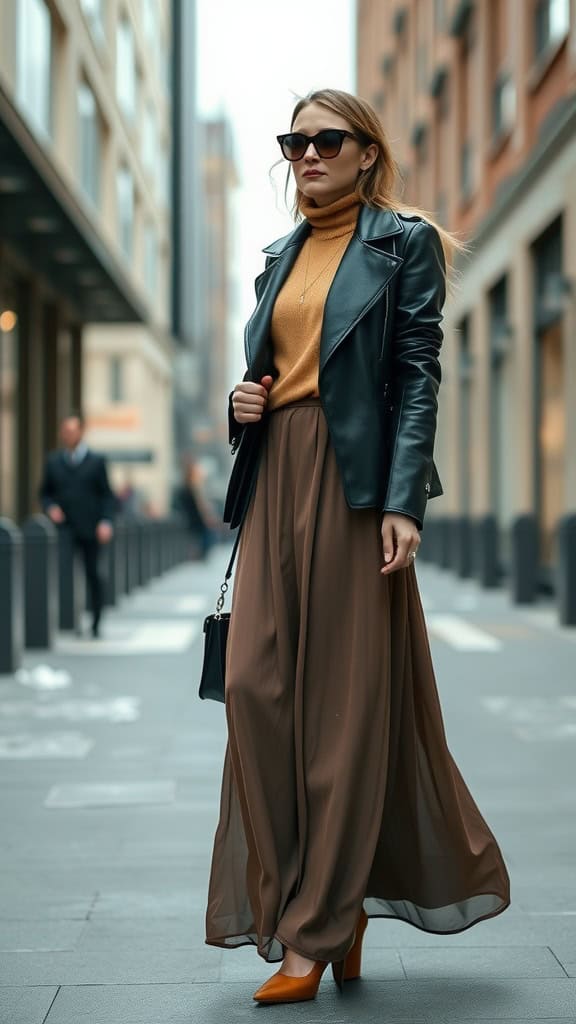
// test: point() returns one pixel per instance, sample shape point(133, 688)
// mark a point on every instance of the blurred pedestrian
point(340, 800)
point(76, 495)
point(190, 503)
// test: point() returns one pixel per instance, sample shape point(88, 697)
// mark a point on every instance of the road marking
point(461, 634)
point(154, 636)
point(29, 746)
point(535, 719)
point(117, 709)
point(111, 794)
point(187, 604)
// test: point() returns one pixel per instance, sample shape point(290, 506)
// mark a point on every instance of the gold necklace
point(306, 287)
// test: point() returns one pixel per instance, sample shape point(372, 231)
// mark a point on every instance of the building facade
point(85, 238)
point(478, 98)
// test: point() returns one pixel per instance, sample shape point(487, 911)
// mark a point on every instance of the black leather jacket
point(379, 370)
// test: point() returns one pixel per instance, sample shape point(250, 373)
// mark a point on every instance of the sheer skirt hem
point(486, 905)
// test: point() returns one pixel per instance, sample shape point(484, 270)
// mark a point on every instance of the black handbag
point(212, 680)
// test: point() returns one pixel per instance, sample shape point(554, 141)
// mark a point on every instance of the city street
point(110, 774)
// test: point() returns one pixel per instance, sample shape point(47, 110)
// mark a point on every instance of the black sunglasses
point(327, 143)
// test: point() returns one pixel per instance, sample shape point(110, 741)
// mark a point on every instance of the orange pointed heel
point(283, 988)
point(352, 964)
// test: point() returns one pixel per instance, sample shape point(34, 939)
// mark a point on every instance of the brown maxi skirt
point(338, 787)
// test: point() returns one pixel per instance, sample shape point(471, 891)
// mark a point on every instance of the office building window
point(116, 379)
point(34, 63)
point(95, 16)
point(149, 137)
point(125, 68)
point(466, 170)
point(89, 142)
point(151, 260)
point(125, 197)
point(164, 170)
point(9, 388)
point(150, 20)
point(551, 22)
point(503, 104)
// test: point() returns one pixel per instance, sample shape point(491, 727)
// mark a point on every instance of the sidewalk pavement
point(110, 773)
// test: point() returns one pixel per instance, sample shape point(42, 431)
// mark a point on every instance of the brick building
point(478, 98)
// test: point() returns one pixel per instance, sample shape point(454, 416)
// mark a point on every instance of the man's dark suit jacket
point(82, 491)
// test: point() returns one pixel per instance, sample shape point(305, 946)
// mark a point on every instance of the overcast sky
point(254, 59)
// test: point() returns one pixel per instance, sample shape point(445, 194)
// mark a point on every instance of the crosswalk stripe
point(461, 634)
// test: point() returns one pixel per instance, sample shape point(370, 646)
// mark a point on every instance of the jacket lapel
point(364, 272)
point(268, 284)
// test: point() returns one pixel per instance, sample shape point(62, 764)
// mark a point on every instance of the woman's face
point(336, 177)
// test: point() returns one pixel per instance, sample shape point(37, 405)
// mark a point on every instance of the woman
point(340, 799)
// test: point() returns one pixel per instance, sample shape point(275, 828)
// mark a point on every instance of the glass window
point(89, 142)
point(150, 18)
point(150, 259)
point(503, 104)
point(34, 59)
point(9, 405)
point(466, 170)
point(164, 171)
point(149, 137)
point(551, 22)
point(116, 379)
point(125, 196)
point(94, 11)
point(125, 68)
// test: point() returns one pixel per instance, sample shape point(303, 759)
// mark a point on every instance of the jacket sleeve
point(416, 372)
point(235, 429)
point(46, 491)
point(108, 501)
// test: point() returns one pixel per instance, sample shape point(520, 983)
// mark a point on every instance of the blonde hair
point(378, 185)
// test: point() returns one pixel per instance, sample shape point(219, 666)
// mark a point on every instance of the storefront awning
point(46, 225)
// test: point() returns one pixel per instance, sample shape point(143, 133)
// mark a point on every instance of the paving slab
point(481, 962)
point(26, 1005)
point(39, 935)
point(373, 1003)
point(86, 967)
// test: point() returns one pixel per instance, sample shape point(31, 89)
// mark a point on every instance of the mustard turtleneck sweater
point(299, 308)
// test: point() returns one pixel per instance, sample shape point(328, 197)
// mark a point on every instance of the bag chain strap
point(224, 585)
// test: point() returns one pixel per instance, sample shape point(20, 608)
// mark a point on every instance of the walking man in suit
point(75, 493)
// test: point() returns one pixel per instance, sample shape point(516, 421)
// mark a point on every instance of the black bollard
point(110, 555)
point(132, 562)
point(566, 570)
point(524, 559)
point(147, 560)
point(155, 569)
point(127, 556)
point(143, 575)
point(464, 547)
point(445, 531)
point(426, 541)
point(40, 582)
point(71, 582)
point(120, 557)
point(486, 551)
point(11, 600)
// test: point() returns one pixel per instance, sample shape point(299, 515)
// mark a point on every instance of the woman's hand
point(400, 536)
point(249, 400)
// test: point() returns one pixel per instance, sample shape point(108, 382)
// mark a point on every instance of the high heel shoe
point(284, 988)
point(349, 969)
